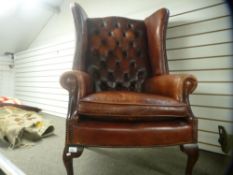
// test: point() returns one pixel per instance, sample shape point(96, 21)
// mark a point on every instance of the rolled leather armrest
point(176, 86)
point(76, 81)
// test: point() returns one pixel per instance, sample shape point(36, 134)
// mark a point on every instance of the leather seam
point(130, 104)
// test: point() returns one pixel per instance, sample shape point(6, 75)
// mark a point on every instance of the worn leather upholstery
point(123, 105)
point(176, 86)
point(120, 71)
point(120, 91)
point(133, 134)
point(77, 81)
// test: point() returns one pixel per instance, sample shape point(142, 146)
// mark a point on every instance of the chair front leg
point(70, 152)
point(192, 152)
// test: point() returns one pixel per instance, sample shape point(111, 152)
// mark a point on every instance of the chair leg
point(192, 152)
point(70, 152)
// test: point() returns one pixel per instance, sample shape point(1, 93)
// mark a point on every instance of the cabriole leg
point(192, 152)
point(70, 152)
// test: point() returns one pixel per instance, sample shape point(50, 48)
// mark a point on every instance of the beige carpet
point(45, 158)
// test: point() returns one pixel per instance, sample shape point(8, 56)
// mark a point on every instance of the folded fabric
point(17, 123)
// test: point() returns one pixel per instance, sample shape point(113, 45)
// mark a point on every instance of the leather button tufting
point(131, 44)
point(104, 24)
point(130, 35)
point(117, 33)
point(126, 76)
point(96, 42)
point(111, 63)
point(103, 64)
point(111, 76)
point(117, 24)
point(110, 33)
point(118, 62)
point(117, 48)
point(125, 54)
point(141, 74)
point(132, 64)
point(118, 43)
point(96, 32)
point(131, 26)
point(103, 85)
point(139, 53)
point(125, 64)
point(103, 42)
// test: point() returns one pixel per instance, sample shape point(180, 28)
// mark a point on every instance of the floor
point(45, 157)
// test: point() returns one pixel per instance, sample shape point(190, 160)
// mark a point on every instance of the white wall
point(199, 42)
point(20, 26)
point(59, 29)
point(37, 77)
point(6, 77)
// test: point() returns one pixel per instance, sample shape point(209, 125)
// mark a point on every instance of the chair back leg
point(192, 152)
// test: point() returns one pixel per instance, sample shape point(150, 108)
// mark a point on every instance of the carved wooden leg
point(70, 152)
point(192, 151)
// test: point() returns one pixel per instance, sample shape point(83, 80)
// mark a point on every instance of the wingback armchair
point(120, 91)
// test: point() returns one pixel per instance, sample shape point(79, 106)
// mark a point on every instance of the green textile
point(16, 124)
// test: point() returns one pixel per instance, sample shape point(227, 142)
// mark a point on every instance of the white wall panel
point(209, 147)
point(54, 58)
point(40, 74)
point(212, 25)
point(209, 141)
point(38, 79)
point(191, 64)
point(56, 66)
point(38, 90)
point(201, 51)
point(212, 100)
point(216, 88)
point(212, 126)
point(201, 39)
point(199, 42)
point(6, 77)
point(199, 15)
point(38, 84)
point(148, 7)
point(45, 49)
point(54, 100)
point(37, 76)
point(50, 109)
point(208, 137)
point(210, 75)
point(43, 100)
point(213, 113)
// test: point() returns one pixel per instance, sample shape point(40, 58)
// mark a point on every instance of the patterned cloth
point(16, 124)
point(9, 100)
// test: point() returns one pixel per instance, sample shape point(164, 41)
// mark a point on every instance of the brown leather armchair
point(120, 91)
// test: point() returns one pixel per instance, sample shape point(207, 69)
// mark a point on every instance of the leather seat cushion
point(130, 105)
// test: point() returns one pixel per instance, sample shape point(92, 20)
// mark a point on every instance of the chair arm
point(177, 86)
point(78, 84)
point(72, 80)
